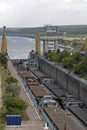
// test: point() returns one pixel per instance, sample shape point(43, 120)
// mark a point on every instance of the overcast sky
point(33, 13)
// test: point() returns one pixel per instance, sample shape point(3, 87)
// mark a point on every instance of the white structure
point(46, 127)
point(50, 39)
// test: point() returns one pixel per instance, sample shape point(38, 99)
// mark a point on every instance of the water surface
point(19, 47)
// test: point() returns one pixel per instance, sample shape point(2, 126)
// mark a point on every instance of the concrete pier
point(50, 39)
point(49, 42)
point(45, 46)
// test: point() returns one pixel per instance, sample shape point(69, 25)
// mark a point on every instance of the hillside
point(69, 29)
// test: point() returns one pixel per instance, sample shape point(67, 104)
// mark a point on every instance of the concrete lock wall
point(83, 91)
point(64, 78)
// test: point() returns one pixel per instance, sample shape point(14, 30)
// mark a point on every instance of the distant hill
point(69, 29)
point(74, 29)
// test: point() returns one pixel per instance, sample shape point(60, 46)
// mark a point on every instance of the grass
point(4, 74)
point(2, 126)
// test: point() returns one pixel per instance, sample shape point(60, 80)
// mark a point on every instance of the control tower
point(50, 39)
point(4, 42)
point(37, 46)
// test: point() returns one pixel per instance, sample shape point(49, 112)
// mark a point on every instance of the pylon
point(4, 42)
point(37, 46)
point(86, 45)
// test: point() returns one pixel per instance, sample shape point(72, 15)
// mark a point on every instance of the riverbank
point(3, 76)
point(7, 98)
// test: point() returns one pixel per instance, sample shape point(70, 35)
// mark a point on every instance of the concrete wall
point(64, 78)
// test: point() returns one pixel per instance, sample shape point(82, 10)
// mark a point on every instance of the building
point(50, 39)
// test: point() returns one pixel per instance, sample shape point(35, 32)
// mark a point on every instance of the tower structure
point(37, 46)
point(86, 45)
point(4, 42)
point(50, 38)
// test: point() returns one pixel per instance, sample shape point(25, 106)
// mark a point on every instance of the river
point(19, 47)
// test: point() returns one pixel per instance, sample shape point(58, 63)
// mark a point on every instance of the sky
point(35, 13)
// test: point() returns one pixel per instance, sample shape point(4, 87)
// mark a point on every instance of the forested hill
point(69, 29)
point(74, 29)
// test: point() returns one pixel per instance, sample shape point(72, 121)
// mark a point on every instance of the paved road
point(35, 123)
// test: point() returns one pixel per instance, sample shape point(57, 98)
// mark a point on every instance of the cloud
point(26, 13)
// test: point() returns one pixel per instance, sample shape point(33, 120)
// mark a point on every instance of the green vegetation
point(3, 60)
point(12, 104)
point(74, 30)
point(13, 90)
point(70, 30)
point(11, 79)
point(52, 56)
point(73, 62)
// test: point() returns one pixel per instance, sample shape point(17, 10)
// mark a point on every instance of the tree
point(11, 79)
point(68, 62)
point(13, 90)
point(15, 105)
point(76, 57)
point(58, 51)
point(3, 60)
point(62, 55)
point(52, 56)
point(81, 67)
